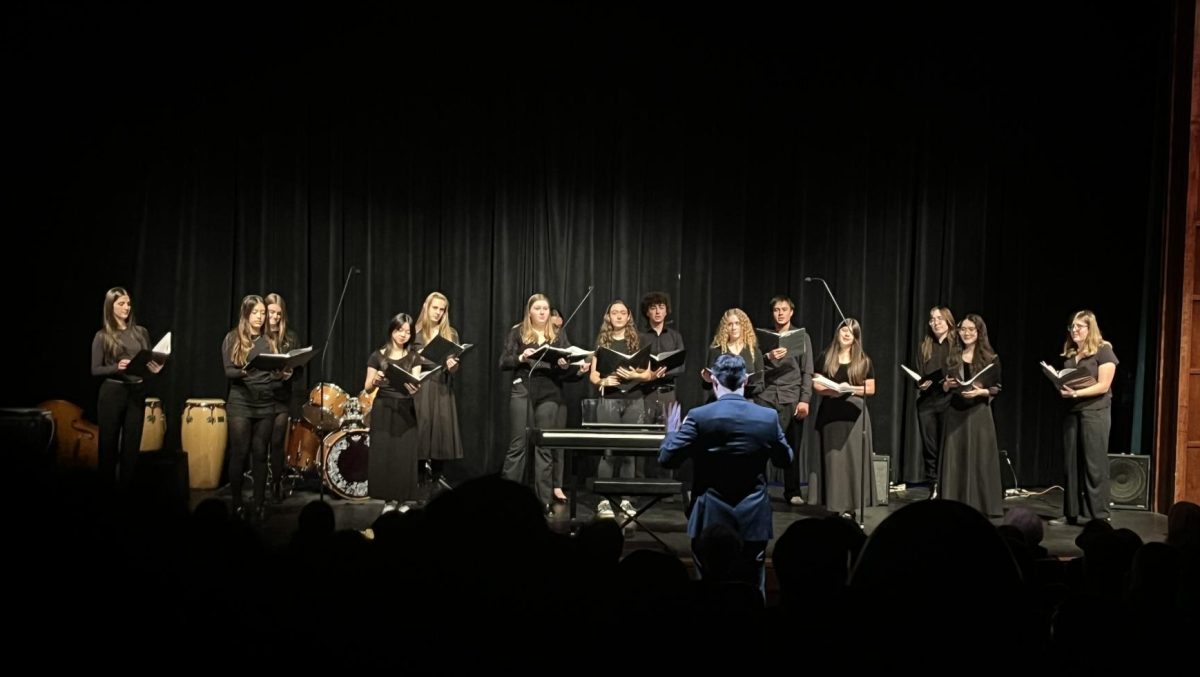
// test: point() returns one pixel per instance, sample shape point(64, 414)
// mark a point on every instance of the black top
point(1091, 364)
point(789, 380)
point(130, 341)
point(939, 358)
point(835, 407)
point(755, 367)
point(255, 385)
point(989, 381)
point(545, 383)
point(377, 361)
point(669, 339)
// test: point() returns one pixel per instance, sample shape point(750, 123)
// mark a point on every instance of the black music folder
point(276, 361)
point(159, 353)
point(441, 349)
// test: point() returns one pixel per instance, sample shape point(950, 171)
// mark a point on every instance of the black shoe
point(277, 492)
point(239, 512)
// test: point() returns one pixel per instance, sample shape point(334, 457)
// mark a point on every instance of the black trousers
point(249, 435)
point(546, 414)
point(931, 411)
point(1085, 447)
point(279, 428)
point(793, 430)
point(121, 410)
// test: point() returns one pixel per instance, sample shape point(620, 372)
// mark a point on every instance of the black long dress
point(392, 463)
point(438, 435)
point(970, 469)
point(839, 425)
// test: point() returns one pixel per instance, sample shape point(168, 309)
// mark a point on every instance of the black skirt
point(392, 464)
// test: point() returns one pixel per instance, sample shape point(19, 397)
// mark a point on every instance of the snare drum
point(303, 446)
point(325, 406)
point(154, 428)
point(346, 455)
point(204, 435)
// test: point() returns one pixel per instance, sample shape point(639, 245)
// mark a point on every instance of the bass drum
point(303, 446)
point(346, 455)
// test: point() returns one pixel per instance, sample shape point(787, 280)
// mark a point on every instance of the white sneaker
point(796, 500)
point(604, 511)
point(403, 508)
point(388, 506)
point(628, 509)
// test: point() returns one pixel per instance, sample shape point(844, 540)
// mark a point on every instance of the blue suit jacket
point(729, 442)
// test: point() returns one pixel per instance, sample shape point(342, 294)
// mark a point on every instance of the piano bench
point(642, 486)
point(657, 489)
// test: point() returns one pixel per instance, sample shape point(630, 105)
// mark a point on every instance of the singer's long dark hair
point(398, 321)
point(984, 354)
point(931, 338)
point(240, 352)
point(860, 364)
point(112, 326)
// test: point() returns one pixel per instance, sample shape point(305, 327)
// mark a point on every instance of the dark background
point(1005, 160)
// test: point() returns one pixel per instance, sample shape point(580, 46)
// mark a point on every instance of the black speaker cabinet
point(1129, 482)
point(883, 475)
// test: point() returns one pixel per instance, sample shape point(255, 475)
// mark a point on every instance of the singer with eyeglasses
point(970, 467)
point(536, 398)
point(121, 403)
point(1087, 420)
point(846, 480)
point(938, 347)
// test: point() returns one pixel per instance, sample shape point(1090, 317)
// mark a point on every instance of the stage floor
point(667, 520)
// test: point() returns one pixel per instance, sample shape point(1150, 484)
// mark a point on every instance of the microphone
point(355, 270)
point(827, 291)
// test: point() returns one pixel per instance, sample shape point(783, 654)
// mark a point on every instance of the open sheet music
point(549, 355)
point(977, 375)
point(276, 361)
point(936, 376)
point(441, 349)
point(1071, 377)
point(792, 339)
point(844, 388)
point(669, 359)
point(159, 353)
point(398, 376)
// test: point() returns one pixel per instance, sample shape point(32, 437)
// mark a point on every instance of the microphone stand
point(354, 270)
point(866, 457)
point(530, 417)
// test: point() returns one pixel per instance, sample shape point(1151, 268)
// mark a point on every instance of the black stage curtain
point(1004, 161)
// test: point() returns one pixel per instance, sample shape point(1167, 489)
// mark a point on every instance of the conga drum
point(154, 429)
point(204, 435)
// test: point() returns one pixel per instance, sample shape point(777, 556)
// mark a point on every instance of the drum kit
point(333, 439)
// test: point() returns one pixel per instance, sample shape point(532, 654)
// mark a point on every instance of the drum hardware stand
point(333, 323)
point(440, 480)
